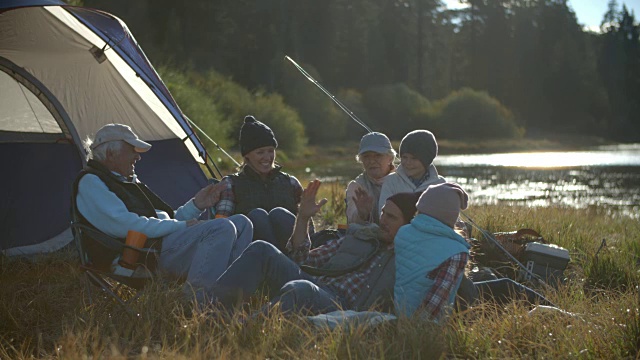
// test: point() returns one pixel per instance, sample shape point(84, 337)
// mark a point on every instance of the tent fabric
point(25, 112)
point(46, 171)
point(20, 109)
point(35, 202)
point(54, 93)
point(64, 44)
point(9, 4)
point(127, 45)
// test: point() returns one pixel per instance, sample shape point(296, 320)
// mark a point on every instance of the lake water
point(606, 176)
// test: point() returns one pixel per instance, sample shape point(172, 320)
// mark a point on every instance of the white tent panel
point(96, 93)
point(22, 111)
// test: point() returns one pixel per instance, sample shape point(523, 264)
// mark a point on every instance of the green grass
point(44, 312)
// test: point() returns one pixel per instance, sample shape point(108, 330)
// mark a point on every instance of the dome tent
point(64, 73)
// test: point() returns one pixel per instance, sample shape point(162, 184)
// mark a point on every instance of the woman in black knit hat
point(268, 196)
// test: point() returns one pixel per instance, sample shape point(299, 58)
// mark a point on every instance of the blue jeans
point(202, 252)
point(263, 267)
point(274, 226)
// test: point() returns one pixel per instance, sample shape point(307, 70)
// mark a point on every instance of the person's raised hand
point(208, 196)
point(364, 203)
point(308, 205)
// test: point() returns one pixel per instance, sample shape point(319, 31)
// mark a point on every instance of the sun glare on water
point(545, 159)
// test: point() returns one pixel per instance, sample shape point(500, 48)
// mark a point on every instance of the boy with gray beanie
point(430, 255)
point(416, 170)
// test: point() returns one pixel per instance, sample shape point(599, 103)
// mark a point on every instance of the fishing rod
point(361, 123)
point(213, 142)
point(335, 100)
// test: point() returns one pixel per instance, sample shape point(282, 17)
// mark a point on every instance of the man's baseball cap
point(117, 132)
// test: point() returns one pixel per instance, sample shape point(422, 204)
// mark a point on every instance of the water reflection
point(618, 155)
point(606, 176)
point(613, 187)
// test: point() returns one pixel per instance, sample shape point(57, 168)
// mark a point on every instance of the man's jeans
point(263, 267)
point(274, 226)
point(202, 252)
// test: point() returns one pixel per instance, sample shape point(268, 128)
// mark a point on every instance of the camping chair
point(118, 286)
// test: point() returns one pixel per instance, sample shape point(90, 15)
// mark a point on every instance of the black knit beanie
point(406, 202)
point(254, 134)
point(421, 144)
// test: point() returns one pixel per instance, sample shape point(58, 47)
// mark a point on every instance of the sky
point(588, 12)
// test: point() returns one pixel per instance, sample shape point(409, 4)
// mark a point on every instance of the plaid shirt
point(226, 206)
point(446, 276)
point(346, 286)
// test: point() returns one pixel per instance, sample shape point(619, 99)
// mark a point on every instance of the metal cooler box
point(546, 260)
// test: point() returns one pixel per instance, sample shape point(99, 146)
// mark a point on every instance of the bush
point(198, 106)
point(469, 114)
point(396, 109)
point(235, 102)
point(353, 100)
point(323, 120)
point(283, 120)
point(218, 105)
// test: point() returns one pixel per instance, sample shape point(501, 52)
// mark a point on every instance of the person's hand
point(364, 203)
point(208, 196)
point(308, 206)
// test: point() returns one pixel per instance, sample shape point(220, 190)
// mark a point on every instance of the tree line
point(497, 68)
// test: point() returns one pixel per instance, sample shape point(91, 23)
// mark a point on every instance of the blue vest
point(422, 246)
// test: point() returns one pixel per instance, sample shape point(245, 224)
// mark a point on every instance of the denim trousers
point(274, 227)
point(262, 267)
point(202, 252)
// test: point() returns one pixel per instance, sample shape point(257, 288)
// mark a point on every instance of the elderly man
point(110, 198)
point(352, 272)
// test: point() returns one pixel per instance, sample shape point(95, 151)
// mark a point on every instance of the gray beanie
point(421, 144)
point(443, 202)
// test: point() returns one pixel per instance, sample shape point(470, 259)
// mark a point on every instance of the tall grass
point(44, 312)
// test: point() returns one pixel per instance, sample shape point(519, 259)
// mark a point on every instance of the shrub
point(396, 109)
point(470, 114)
point(198, 106)
point(323, 120)
point(353, 100)
point(283, 120)
point(218, 105)
point(236, 102)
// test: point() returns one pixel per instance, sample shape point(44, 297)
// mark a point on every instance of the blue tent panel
point(45, 172)
point(36, 189)
point(171, 172)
